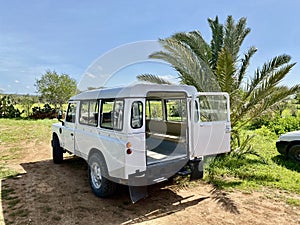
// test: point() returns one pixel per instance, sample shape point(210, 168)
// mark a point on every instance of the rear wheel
point(57, 152)
point(294, 153)
point(101, 186)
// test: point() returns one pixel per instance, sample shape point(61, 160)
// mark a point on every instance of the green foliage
point(293, 202)
point(56, 89)
point(27, 101)
point(7, 108)
point(43, 113)
point(250, 172)
point(278, 125)
point(219, 66)
point(284, 124)
point(153, 79)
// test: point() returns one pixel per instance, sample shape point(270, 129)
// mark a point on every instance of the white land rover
point(289, 145)
point(142, 134)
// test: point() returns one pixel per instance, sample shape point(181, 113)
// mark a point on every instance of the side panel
point(110, 143)
point(210, 124)
point(136, 123)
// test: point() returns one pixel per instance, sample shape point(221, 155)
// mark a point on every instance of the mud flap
point(137, 193)
point(196, 166)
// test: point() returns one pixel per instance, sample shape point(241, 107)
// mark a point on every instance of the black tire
point(294, 153)
point(57, 152)
point(100, 184)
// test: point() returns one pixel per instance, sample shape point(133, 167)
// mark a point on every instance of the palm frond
point(192, 68)
point(261, 75)
point(244, 65)
point(217, 40)
point(235, 35)
point(225, 71)
point(153, 79)
point(195, 41)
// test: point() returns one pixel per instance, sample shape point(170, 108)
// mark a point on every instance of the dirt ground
point(45, 193)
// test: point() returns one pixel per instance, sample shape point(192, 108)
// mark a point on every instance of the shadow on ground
point(286, 162)
point(60, 194)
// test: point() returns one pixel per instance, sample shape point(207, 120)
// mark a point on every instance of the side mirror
point(60, 116)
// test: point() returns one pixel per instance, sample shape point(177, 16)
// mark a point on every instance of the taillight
point(128, 146)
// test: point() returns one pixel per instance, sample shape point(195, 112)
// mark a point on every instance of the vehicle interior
point(166, 126)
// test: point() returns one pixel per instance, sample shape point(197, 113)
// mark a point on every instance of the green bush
point(43, 113)
point(284, 124)
point(278, 125)
point(7, 108)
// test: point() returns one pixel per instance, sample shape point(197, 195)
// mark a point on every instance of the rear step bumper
point(159, 172)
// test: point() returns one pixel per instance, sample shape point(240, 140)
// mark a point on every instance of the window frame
point(112, 112)
point(96, 101)
point(140, 113)
point(73, 116)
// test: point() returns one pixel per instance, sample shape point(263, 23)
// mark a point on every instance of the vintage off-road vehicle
point(142, 134)
point(289, 145)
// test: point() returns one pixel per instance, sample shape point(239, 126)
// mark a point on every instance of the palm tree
point(219, 66)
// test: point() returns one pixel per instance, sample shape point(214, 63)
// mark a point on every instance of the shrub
point(43, 113)
point(284, 124)
point(7, 108)
point(278, 125)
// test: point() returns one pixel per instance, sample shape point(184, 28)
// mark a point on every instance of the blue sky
point(67, 36)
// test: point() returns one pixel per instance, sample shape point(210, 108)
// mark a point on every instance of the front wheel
point(294, 153)
point(101, 186)
point(57, 152)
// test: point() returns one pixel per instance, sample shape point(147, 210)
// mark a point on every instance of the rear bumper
point(282, 147)
point(156, 173)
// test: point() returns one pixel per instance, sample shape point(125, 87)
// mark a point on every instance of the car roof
point(137, 90)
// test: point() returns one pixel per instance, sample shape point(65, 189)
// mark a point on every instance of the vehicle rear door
point(210, 125)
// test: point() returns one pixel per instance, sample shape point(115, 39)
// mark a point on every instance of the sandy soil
point(46, 193)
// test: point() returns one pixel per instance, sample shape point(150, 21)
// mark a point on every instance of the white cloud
point(17, 81)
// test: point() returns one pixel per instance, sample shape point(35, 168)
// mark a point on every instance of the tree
point(56, 89)
point(219, 66)
point(27, 101)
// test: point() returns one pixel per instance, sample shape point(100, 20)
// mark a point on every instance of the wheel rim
point(297, 154)
point(96, 175)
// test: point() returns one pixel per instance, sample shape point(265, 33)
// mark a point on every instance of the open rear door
point(210, 125)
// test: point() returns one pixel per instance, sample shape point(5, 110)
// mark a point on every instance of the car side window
point(71, 113)
point(137, 115)
point(112, 111)
point(89, 112)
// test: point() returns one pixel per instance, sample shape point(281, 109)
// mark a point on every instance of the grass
point(293, 202)
point(246, 173)
point(251, 172)
point(14, 134)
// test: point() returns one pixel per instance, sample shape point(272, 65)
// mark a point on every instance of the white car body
point(146, 133)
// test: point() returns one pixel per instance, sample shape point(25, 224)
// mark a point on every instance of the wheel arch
point(98, 152)
point(55, 138)
point(95, 151)
point(292, 143)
